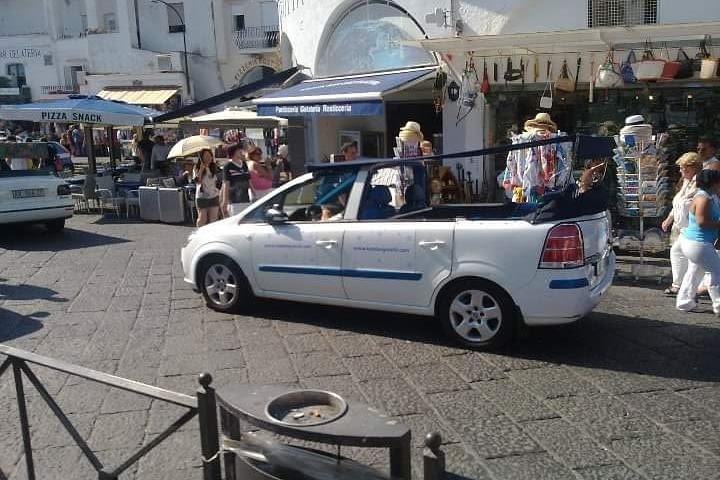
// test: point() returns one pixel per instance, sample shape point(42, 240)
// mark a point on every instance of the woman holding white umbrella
point(205, 175)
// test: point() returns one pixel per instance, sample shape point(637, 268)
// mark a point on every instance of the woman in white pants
point(690, 164)
point(697, 242)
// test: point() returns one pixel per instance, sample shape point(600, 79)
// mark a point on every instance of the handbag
point(686, 65)
point(670, 69)
point(565, 83)
point(545, 101)
point(607, 76)
point(626, 70)
point(485, 85)
point(649, 69)
point(709, 64)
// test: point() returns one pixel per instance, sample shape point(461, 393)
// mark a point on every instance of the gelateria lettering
point(74, 116)
point(326, 108)
point(20, 53)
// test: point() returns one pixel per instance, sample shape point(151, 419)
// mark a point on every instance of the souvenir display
point(531, 173)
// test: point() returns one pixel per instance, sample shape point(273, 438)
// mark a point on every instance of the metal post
point(433, 458)
point(400, 464)
point(24, 425)
point(209, 441)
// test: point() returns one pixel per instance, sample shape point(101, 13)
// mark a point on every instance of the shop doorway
point(397, 114)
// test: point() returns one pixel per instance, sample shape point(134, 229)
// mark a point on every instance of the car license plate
point(28, 193)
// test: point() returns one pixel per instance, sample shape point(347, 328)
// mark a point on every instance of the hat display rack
point(644, 193)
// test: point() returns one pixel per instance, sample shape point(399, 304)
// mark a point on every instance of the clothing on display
point(532, 172)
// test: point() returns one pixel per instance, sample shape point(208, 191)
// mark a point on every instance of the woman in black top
point(236, 182)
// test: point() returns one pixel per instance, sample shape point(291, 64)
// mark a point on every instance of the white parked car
point(34, 196)
point(343, 235)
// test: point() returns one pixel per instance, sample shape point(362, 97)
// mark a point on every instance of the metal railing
point(203, 405)
point(59, 89)
point(267, 36)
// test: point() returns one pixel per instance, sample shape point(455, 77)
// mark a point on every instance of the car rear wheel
point(477, 314)
point(55, 226)
point(223, 284)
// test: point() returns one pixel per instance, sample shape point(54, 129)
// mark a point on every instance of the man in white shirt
point(706, 149)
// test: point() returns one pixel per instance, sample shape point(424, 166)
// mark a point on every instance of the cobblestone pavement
point(630, 392)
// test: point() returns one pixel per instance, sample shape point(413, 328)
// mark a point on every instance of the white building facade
point(136, 50)
point(345, 37)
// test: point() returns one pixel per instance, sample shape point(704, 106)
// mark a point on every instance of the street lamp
point(185, 56)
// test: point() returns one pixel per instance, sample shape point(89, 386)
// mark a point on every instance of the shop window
point(620, 13)
point(239, 22)
point(370, 37)
point(109, 22)
point(17, 71)
point(176, 17)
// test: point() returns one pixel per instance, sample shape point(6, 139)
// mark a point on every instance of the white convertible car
point(343, 235)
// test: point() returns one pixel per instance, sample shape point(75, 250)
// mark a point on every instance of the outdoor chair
point(107, 196)
point(81, 202)
point(132, 201)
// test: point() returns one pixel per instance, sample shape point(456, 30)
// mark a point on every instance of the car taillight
point(563, 247)
point(63, 190)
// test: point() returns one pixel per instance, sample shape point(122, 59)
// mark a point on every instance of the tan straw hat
point(411, 130)
point(542, 121)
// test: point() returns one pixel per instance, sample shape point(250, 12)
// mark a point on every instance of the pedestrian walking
point(697, 243)
point(690, 164)
point(282, 173)
point(207, 191)
point(260, 175)
point(236, 182)
point(158, 157)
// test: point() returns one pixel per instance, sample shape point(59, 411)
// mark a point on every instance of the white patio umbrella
point(233, 117)
point(81, 109)
point(192, 145)
point(88, 110)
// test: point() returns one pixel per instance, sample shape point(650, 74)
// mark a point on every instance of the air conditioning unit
point(164, 63)
point(81, 79)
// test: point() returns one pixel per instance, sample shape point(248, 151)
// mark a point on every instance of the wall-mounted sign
point(339, 109)
point(20, 53)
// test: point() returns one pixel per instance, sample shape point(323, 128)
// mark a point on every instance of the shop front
point(521, 75)
point(368, 109)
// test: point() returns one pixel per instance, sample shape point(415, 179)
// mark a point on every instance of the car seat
point(376, 205)
point(414, 199)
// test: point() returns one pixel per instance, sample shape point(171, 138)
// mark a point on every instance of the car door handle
point(326, 243)
point(432, 245)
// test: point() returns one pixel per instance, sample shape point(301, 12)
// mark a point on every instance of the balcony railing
point(59, 89)
point(267, 36)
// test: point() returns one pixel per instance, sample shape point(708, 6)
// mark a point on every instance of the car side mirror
point(275, 215)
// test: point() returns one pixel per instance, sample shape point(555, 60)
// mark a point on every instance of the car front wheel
point(477, 314)
point(223, 284)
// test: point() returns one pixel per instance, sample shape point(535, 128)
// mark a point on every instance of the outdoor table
point(124, 186)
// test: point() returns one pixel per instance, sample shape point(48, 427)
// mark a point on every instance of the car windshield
point(26, 158)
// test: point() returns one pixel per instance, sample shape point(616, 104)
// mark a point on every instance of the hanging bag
point(565, 82)
point(709, 65)
point(626, 70)
point(546, 101)
point(649, 69)
point(686, 65)
point(485, 86)
point(607, 76)
point(670, 69)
